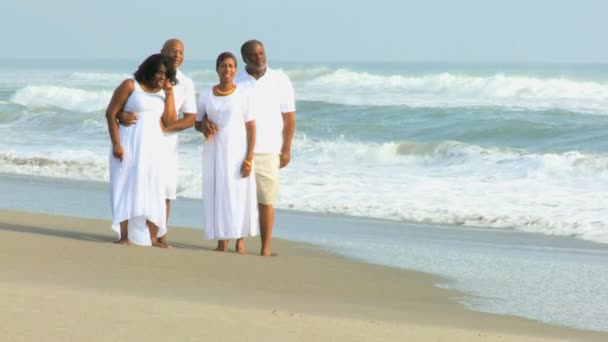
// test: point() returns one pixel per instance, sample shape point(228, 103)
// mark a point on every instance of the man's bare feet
point(123, 242)
point(267, 253)
point(240, 247)
point(222, 246)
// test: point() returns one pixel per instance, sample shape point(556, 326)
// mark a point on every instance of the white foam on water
point(447, 183)
point(92, 90)
point(344, 86)
point(69, 164)
point(72, 99)
point(444, 183)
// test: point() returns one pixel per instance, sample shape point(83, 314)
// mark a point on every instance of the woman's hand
point(168, 86)
point(208, 128)
point(246, 168)
point(118, 152)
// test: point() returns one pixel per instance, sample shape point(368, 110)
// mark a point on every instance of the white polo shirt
point(185, 102)
point(270, 96)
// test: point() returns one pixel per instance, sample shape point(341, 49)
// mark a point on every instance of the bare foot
point(266, 253)
point(160, 244)
point(163, 240)
point(123, 242)
point(222, 246)
point(240, 247)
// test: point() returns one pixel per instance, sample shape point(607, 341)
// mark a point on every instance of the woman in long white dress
point(229, 191)
point(137, 183)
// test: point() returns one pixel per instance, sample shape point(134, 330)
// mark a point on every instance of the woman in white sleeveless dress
point(137, 183)
point(229, 190)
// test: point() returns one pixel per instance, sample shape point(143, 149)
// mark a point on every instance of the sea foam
point(344, 86)
point(72, 99)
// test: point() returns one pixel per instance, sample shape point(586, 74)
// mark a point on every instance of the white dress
point(229, 200)
point(137, 183)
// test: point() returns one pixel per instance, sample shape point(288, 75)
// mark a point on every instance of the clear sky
point(311, 30)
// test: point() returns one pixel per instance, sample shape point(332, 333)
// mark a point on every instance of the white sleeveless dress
point(137, 183)
point(229, 201)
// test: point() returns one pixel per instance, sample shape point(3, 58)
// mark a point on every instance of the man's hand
point(127, 118)
point(284, 157)
point(163, 127)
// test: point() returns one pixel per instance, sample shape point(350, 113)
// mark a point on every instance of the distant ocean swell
point(73, 99)
point(344, 86)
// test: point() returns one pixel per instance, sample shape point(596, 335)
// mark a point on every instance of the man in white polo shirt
point(185, 103)
point(273, 106)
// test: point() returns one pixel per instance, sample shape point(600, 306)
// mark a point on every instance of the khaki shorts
point(266, 167)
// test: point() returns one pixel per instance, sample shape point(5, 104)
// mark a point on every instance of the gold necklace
point(218, 92)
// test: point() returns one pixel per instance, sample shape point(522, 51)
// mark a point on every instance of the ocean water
point(505, 146)
point(515, 148)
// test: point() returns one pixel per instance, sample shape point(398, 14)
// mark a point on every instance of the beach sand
point(63, 280)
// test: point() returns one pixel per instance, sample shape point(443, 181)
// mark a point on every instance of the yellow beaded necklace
point(218, 92)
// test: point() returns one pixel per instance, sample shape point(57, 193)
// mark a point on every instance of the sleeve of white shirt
point(288, 100)
point(247, 104)
point(189, 105)
point(200, 106)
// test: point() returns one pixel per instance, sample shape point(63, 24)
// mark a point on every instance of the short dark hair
point(223, 56)
point(146, 70)
point(247, 45)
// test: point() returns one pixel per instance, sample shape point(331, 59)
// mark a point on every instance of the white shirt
point(270, 96)
point(185, 100)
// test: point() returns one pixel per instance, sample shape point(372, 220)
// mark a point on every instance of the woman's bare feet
point(123, 242)
point(240, 247)
point(164, 241)
point(222, 246)
point(160, 244)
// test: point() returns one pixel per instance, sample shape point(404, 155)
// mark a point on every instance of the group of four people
point(248, 120)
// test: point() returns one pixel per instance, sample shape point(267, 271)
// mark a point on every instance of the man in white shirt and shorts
point(273, 106)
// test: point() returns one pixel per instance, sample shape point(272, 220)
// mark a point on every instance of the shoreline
point(306, 292)
point(495, 271)
point(25, 186)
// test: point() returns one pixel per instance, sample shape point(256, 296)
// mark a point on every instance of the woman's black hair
point(222, 57)
point(146, 70)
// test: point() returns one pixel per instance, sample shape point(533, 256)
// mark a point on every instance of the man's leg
point(266, 213)
point(266, 168)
